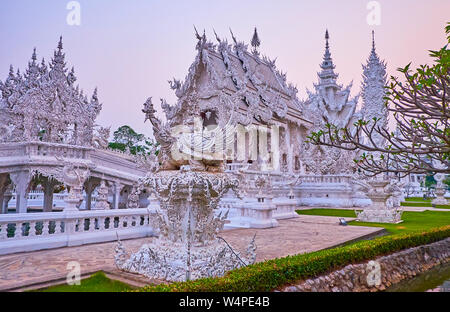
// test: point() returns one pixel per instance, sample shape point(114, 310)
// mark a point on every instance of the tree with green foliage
point(420, 107)
point(430, 181)
point(447, 182)
point(125, 138)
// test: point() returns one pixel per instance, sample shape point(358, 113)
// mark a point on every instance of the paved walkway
point(292, 236)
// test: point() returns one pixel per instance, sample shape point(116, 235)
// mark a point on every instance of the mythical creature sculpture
point(74, 177)
point(102, 197)
point(100, 139)
point(188, 144)
point(133, 198)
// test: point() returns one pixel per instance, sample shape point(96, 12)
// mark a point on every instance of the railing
point(36, 231)
point(35, 148)
point(234, 166)
point(319, 179)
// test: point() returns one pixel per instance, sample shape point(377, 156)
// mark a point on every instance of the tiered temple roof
point(44, 104)
point(241, 80)
point(331, 102)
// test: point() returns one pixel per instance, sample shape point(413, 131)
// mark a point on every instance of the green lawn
point(422, 204)
point(412, 221)
point(418, 199)
point(98, 282)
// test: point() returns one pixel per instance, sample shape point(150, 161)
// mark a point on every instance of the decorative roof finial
point(327, 75)
point(255, 40)
point(232, 36)
point(217, 37)
point(33, 57)
point(60, 44)
point(196, 34)
point(373, 39)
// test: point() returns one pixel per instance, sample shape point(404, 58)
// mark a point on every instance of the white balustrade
point(36, 231)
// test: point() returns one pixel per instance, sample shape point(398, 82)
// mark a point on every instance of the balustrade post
point(57, 227)
point(3, 231)
point(101, 223)
point(17, 229)
point(32, 230)
point(45, 227)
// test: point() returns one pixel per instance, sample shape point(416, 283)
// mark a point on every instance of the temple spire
point(256, 42)
point(60, 45)
point(33, 56)
point(373, 40)
point(58, 61)
point(374, 80)
point(327, 77)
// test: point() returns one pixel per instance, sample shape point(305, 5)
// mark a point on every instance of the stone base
point(249, 213)
point(174, 262)
point(285, 208)
point(380, 215)
point(439, 201)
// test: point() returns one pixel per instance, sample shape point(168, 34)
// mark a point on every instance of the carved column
point(21, 180)
point(4, 183)
point(49, 185)
point(89, 188)
point(117, 189)
point(289, 148)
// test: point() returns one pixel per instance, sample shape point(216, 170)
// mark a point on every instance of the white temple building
point(54, 155)
point(229, 85)
point(49, 139)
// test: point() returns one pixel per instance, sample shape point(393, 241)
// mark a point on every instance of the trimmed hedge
point(273, 274)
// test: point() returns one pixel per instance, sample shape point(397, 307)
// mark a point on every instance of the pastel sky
point(129, 49)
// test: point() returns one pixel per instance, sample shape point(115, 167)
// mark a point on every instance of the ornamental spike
point(196, 34)
point(217, 37)
point(256, 42)
point(33, 56)
point(232, 36)
point(373, 40)
point(60, 44)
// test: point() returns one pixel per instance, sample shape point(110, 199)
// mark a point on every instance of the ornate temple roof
point(43, 104)
point(258, 89)
point(331, 102)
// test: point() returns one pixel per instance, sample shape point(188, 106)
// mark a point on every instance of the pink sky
point(129, 49)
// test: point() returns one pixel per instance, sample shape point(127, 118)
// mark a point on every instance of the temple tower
point(373, 93)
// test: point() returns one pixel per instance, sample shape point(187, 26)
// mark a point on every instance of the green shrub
point(273, 274)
